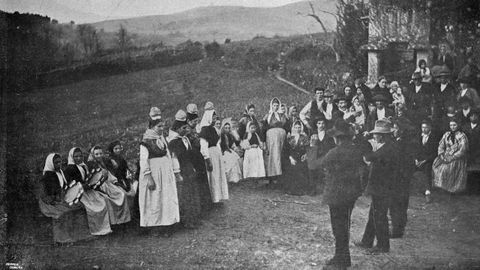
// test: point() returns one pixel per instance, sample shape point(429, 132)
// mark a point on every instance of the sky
point(94, 10)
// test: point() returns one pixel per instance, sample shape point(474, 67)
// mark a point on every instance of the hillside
point(51, 8)
point(221, 22)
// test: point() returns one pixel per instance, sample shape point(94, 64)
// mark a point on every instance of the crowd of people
point(362, 140)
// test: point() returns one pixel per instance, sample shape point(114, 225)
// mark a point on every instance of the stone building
point(398, 37)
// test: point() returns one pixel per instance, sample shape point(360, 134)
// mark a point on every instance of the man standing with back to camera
point(342, 188)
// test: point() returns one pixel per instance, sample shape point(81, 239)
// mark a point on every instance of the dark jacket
point(51, 189)
point(381, 178)
point(473, 136)
point(429, 150)
point(318, 151)
point(72, 172)
point(372, 117)
point(377, 90)
point(342, 174)
point(419, 104)
point(405, 165)
point(441, 99)
point(439, 60)
point(184, 156)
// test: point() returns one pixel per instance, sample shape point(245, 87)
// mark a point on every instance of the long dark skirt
point(189, 200)
point(295, 180)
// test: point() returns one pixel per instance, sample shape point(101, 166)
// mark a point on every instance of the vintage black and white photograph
point(240, 134)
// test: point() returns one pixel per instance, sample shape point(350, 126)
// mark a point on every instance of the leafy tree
point(213, 50)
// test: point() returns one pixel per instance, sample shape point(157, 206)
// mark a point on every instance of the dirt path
point(254, 232)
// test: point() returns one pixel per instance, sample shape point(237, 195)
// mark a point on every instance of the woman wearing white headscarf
point(253, 164)
point(295, 178)
point(92, 200)
point(69, 221)
point(230, 158)
point(115, 196)
point(275, 138)
point(157, 188)
point(212, 153)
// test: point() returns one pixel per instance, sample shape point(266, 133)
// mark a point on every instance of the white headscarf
point(207, 118)
point(49, 167)
point(81, 167)
point(249, 134)
point(271, 112)
point(295, 134)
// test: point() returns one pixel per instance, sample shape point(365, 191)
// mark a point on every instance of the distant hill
point(51, 8)
point(221, 22)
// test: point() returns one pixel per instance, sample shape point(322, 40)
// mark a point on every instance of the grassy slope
point(116, 107)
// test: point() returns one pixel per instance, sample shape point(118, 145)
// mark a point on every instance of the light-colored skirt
point(231, 162)
point(253, 164)
point(97, 212)
point(217, 179)
point(159, 207)
point(451, 177)
point(274, 141)
point(69, 223)
point(116, 199)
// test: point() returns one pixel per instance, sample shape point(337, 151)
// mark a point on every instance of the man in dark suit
point(444, 58)
point(426, 152)
point(342, 188)
point(472, 130)
point(405, 146)
point(380, 111)
point(382, 162)
point(443, 93)
point(418, 99)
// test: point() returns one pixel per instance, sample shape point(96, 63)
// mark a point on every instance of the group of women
point(183, 169)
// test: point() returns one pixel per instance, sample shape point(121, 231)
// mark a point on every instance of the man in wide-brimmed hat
point(380, 112)
point(418, 99)
point(383, 166)
point(342, 188)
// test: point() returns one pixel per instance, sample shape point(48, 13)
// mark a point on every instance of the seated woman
point(115, 196)
point(253, 164)
point(450, 166)
point(92, 200)
point(231, 160)
point(118, 166)
point(69, 221)
point(295, 178)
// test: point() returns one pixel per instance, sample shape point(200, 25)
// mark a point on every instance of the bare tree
point(87, 35)
point(123, 38)
point(314, 15)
